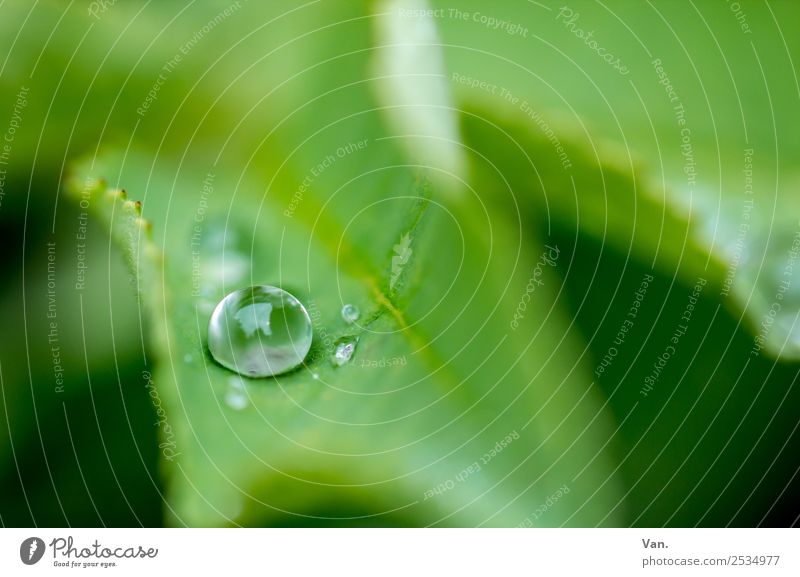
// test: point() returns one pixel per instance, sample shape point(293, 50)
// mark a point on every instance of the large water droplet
point(344, 350)
point(350, 313)
point(259, 331)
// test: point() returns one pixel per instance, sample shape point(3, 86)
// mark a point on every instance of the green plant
point(496, 200)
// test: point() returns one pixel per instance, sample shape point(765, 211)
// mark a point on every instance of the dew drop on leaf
point(259, 331)
point(236, 396)
point(350, 313)
point(344, 350)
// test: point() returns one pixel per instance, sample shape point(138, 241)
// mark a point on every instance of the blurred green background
point(298, 144)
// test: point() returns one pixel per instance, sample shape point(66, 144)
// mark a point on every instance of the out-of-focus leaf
point(696, 106)
point(373, 445)
point(413, 86)
point(357, 441)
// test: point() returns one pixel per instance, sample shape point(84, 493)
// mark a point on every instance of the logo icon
point(31, 550)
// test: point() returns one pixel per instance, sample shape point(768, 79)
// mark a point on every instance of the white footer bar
point(388, 552)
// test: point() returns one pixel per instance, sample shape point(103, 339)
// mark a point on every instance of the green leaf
point(360, 443)
point(470, 421)
point(698, 124)
point(279, 168)
point(414, 89)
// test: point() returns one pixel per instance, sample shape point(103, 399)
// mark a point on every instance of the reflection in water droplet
point(350, 313)
point(254, 318)
point(259, 331)
point(344, 350)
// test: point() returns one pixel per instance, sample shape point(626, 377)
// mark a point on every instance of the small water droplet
point(344, 350)
point(236, 396)
point(236, 400)
point(315, 376)
point(188, 358)
point(350, 313)
point(259, 331)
